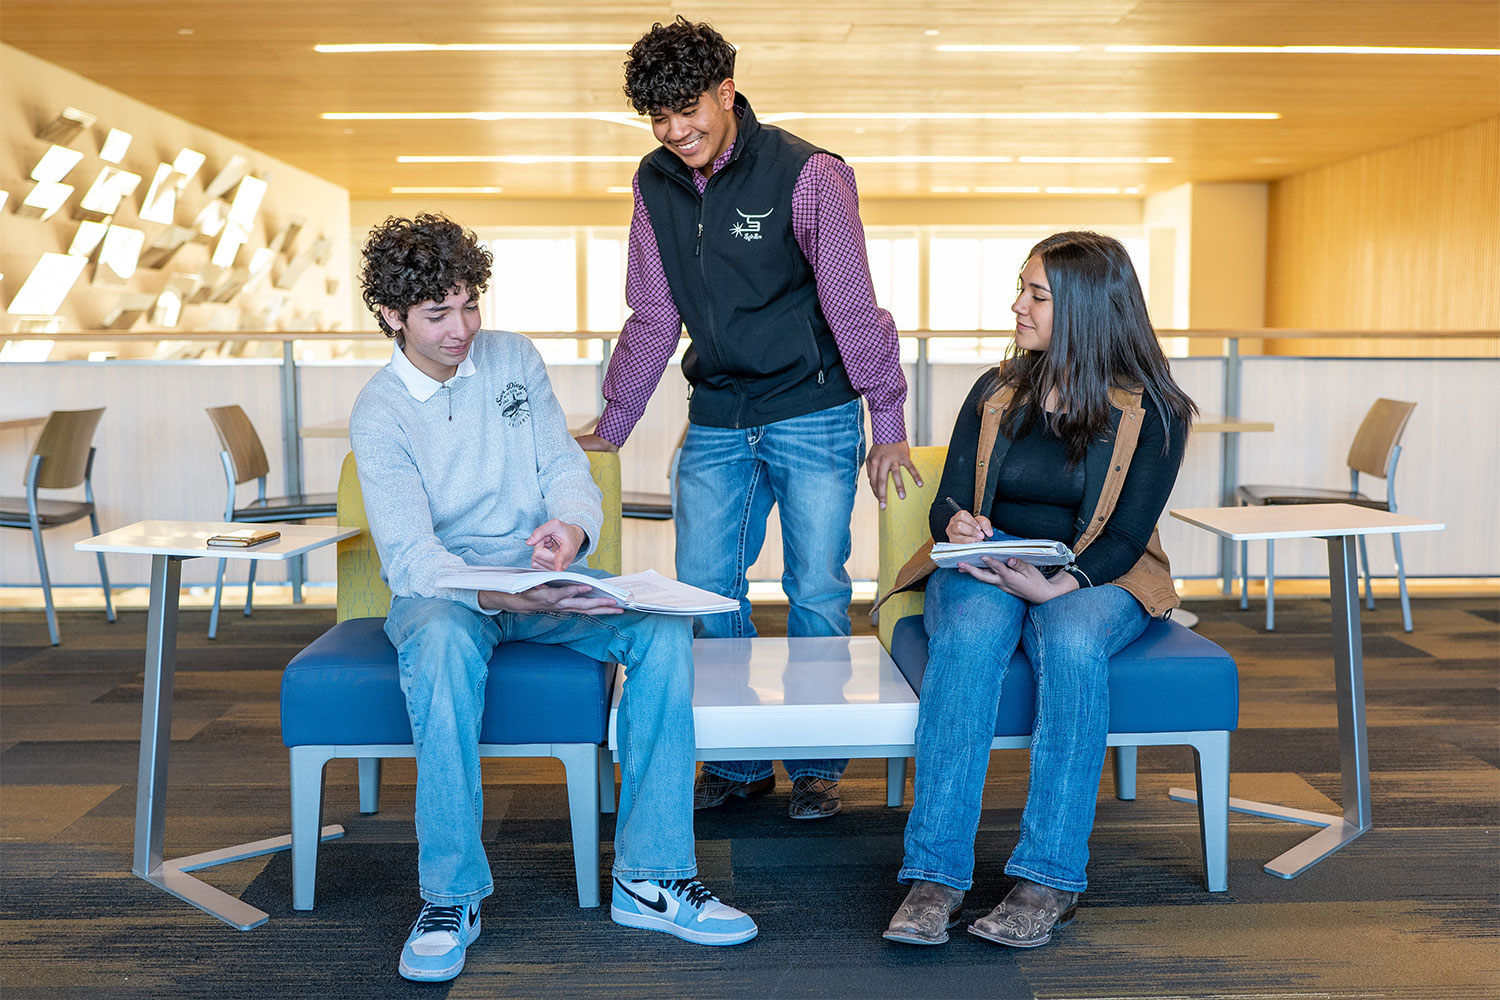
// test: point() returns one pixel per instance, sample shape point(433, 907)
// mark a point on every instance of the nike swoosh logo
point(659, 904)
point(473, 916)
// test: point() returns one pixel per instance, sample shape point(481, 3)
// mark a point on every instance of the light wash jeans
point(974, 628)
point(727, 482)
point(444, 651)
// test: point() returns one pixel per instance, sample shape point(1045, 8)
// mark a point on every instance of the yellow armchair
point(902, 530)
point(363, 594)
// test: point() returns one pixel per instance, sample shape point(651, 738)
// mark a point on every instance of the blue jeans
point(727, 482)
point(974, 628)
point(444, 651)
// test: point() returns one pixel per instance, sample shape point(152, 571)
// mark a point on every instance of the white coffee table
point(169, 543)
point(774, 698)
point(1340, 524)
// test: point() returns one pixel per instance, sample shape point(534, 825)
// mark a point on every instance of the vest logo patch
point(750, 228)
point(514, 405)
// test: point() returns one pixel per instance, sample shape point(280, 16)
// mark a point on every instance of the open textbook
point(1037, 551)
point(648, 591)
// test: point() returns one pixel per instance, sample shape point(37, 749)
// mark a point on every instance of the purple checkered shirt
point(825, 223)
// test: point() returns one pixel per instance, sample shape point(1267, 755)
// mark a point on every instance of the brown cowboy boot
point(1027, 916)
point(926, 916)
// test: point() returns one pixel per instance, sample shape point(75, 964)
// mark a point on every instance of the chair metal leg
point(581, 763)
point(109, 604)
point(895, 781)
point(41, 565)
point(250, 587)
point(1401, 582)
point(213, 616)
point(1211, 763)
point(1364, 557)
point(606, 780)
point(307, 817)
point(1270, 585)
point(1244, 575)
point(1125, 773)
point(369, 785)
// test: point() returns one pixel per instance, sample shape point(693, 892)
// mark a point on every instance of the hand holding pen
point(966, 527)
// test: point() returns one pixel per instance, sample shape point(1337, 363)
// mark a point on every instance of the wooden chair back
point(363, 594)
point(1378, 435)
point(237, 436)
point(64, 448)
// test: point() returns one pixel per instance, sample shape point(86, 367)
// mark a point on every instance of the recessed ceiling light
point(1007, 190)
point(1310, 50)
point(1010, 48)
point(446, 190)
point(478, 47)
point(520, 160)
point(773, 117)
point(1011, 159)
point(620, 189)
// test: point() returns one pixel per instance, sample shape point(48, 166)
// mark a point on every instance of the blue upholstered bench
point(1169, 687)
point(341, 697)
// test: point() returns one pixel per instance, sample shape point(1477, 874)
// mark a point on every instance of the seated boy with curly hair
point(465, 459)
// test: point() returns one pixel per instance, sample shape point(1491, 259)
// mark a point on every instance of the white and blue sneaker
point(434, 950)
point(683, 907)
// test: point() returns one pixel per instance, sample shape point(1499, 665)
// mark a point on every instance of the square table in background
point(168, 543)
point(1339, 524)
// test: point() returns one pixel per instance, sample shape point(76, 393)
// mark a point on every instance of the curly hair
point(411, 261)
point(673, 64)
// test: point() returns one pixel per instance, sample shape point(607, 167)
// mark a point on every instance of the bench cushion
point(1169, 680)
point(344, 689)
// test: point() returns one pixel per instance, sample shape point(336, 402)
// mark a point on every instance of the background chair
point(341, 697)
point(244, 459)
point(1170, 687)
point(640, 504)
point(1375, 451)
point(62, 459)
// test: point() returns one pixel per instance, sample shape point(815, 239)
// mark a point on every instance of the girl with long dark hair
point(1076, 437)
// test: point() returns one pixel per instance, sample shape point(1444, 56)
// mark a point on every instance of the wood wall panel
point(1404, 239)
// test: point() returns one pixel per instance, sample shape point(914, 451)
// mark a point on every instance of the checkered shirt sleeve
point(649, 336)
point(826, 225)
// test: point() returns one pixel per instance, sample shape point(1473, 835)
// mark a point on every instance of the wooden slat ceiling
point(248, 70)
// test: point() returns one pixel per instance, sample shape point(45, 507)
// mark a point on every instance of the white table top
point(190, 538)
point(774, 692)
point(1312, 520)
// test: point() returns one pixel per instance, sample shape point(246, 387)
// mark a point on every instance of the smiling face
point(1033, 308)
point(436, 336)
point(699, 132)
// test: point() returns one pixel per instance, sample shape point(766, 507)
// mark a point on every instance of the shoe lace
point(695, 892)
point(439, 918)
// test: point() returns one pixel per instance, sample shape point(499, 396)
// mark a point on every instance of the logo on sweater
point(750, 228)
point(514, 406)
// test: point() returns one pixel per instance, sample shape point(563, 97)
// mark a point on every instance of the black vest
point(761, 349)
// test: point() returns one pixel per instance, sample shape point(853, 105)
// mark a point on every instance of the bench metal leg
point(307, 815)
point(369, 785)
point(1211, 763)
point(1125, 773)
point(606, 780)
point(895, 781)
point(581, 762)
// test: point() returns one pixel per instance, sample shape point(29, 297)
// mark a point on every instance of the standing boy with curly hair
point(465, 459)
point(751, 238)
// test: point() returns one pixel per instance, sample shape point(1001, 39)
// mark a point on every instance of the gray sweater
point(463, 476)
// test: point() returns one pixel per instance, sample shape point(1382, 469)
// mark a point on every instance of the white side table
point(169, 543)
point(1339, 524)
point(774, 698)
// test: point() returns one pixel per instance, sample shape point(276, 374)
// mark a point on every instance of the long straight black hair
point(1102, 339)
